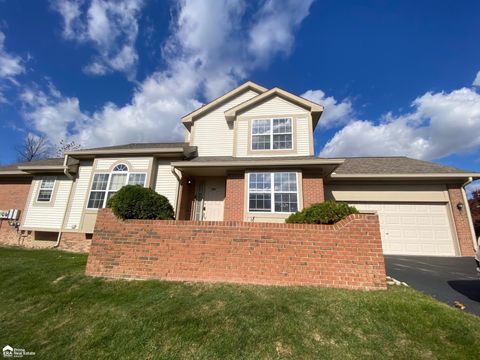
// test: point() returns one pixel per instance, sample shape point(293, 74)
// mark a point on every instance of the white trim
point(271, 133)
point(107, 189)
point(273, 192)
point(51, 191)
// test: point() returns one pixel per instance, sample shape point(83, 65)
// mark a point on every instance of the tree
point(474, 203)
point(33, 148)
point(64, 146)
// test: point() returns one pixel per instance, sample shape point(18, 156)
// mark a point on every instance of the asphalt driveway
point(447, 279)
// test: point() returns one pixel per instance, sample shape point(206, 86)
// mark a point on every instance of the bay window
point(105, 185)
point(272, 134)
point(275, 192)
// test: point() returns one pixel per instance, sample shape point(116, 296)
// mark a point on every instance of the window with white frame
point(105, 185)
point(46, 190)
point(275, 192)
point(272, 134)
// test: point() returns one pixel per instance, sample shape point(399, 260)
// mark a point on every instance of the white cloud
point(10, 67)
point(476, 82)
point(441, 124)
point(112, 28)
point(335, 113)
point(273, 30)
point(206, 54)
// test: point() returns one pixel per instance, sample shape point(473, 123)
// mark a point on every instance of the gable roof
point(395, 166)
point(249, 85)
point(314, 108)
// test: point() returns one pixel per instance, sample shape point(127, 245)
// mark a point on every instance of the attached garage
point(422, 206)
point(414, 228)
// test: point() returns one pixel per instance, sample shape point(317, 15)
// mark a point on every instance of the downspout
point(70, 176)
point(179, 191)
point(469, 215)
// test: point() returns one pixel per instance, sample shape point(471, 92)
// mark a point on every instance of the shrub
point(137, 202)
point(328, 212)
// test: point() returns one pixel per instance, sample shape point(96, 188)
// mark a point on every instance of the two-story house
point(247, 156)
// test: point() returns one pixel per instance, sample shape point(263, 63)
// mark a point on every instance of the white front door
point(214, 199)
point(413, 228)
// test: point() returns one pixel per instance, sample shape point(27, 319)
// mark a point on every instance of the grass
point(48, 306)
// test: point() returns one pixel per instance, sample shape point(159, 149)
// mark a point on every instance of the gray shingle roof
point(43, 162)
point(392, 165)
point(139, 146)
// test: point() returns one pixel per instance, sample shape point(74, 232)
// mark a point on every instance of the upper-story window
point(105, 185)
point(46, 190)
point(272, 134)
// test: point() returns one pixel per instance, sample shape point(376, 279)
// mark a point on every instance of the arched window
point(105, 185)
point(120, 168)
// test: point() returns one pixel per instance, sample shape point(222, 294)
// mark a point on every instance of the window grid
point(46, 190)
point(105, 185)
point(275, 192)
point(272, 134)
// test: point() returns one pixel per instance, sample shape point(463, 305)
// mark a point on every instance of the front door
point(214, 197)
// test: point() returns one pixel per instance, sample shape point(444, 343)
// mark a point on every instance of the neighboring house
point(248, 156)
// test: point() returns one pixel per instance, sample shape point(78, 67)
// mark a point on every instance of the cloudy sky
point(396, 77)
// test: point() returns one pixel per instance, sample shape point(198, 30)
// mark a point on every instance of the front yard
point(48, 306)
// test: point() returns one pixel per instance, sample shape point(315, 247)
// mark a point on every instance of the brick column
point(460, 218)
point(312, 186)
point(234, 197)
point(186, 198)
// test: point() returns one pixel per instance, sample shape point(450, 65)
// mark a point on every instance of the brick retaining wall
point(345, 255)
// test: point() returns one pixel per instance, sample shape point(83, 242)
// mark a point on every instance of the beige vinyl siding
point(48, 217)
point(79, 197)
point(167, 183)
point(274, 107)
point(386, 192)
point(212, 133)
point(134, 164)
point(303, 136)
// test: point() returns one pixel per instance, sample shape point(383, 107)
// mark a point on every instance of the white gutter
point(70, 176)
point(433, 176)
point(469, 214)
point(253, 162)
point(179, 190)
point(127, 151)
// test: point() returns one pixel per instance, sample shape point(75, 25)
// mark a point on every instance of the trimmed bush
point(328, 212)
point(137, 202)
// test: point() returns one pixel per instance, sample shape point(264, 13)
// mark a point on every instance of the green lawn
point(48, 306)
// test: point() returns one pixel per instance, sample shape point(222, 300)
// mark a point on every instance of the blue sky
point(396, 77)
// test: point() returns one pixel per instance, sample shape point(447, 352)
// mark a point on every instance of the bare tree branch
point(33, 148)
point(64, 146)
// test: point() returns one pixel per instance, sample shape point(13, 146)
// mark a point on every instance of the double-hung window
point(46, 190)
point(275, 192)
point(105, 185)
point(272, 134)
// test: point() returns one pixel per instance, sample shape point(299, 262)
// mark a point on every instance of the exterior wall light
point(460, 206)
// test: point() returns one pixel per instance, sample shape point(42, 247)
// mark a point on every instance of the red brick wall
point(186, 199)
point(345, 255)
point(14, 192)
point(234, 197)
point(460, 218)
point(312, 186)
point(75, 242)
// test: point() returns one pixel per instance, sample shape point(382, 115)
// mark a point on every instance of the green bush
point(137, 202)
point(328, 212)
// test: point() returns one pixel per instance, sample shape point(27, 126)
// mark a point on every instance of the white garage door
point(413, 228)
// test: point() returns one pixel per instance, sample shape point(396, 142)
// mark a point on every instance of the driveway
point(447, 279)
